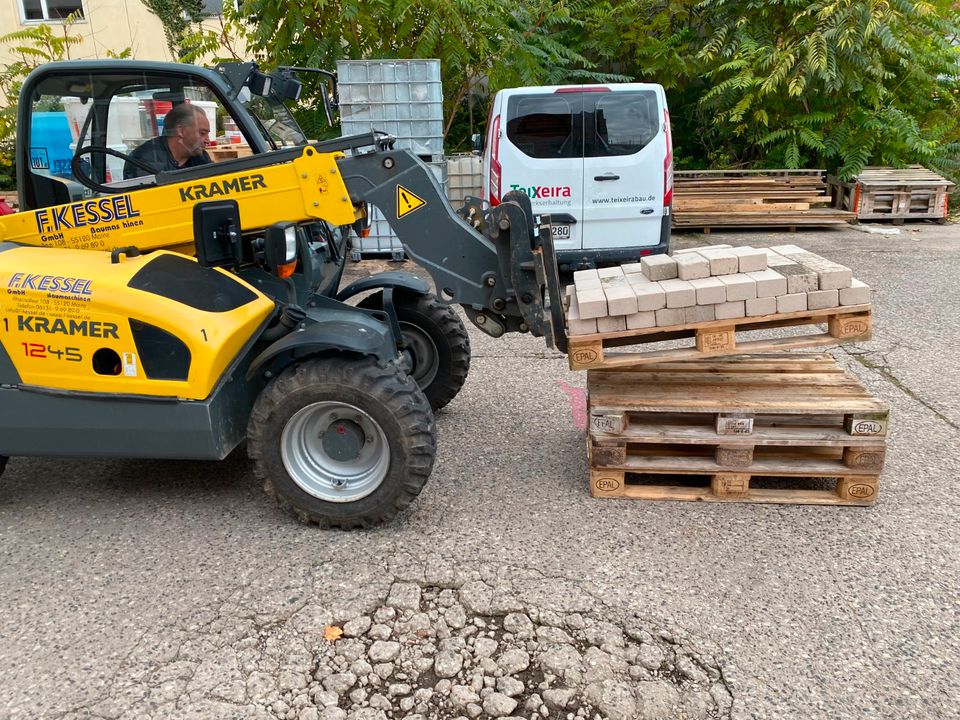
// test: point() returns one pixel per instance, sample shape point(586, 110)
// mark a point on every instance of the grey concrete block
point(692, 266)
point(710, 291)
point(577, 325)
point(730, 310)
point(770, 283)
point(621, 300)
point(761, 306)
point(823, 299)
point(834, 277)
point(638, 279)
point(610, 272)
point(698, 249)
point(775, 259)
point(699, 314)
point(593, 303)
point(612, 324)
point(800, 279)
point(641, 320)
point(659, 267)
point(739, 287)
point(670, 316)
point(650, 297)
point(857, 294)
point(679, 293)
point(750, 259)
point(632, 268)
point(722, 261)
point(585, 275)
point(589, 283)
point(795, 302)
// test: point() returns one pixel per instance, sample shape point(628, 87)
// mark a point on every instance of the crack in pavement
point(883, 370)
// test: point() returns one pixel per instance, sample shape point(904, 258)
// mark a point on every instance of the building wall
point(107, 25)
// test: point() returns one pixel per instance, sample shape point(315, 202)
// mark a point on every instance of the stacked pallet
point(716, 430)
point(881, 193)
point(768, 198)
point(711, 294)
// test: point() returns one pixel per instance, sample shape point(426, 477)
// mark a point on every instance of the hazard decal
point(407, 202)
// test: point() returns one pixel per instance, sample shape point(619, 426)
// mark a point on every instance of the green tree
point(180, 19)
point(794, 83)
point(481, 42)
point(31, 47)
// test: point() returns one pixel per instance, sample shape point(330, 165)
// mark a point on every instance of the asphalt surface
point(126, 585)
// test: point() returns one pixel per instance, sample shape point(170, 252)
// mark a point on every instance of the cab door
point(623, 177)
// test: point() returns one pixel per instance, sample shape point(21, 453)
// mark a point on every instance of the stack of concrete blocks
point(706, 284)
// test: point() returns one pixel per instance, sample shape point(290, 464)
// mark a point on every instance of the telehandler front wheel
point(437, 344)
point(342, 442)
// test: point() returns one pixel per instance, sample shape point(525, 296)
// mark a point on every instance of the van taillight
point(494, 169)
point(667, 162)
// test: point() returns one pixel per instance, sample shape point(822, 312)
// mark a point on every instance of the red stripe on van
point(582, 89)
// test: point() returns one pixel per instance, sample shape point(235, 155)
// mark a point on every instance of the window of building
point(38, 10)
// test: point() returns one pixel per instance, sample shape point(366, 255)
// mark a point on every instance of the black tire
point(3, 463)
point(437, 341)
point(390, 413)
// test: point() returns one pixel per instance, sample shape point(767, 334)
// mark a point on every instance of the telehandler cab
point(180, 313)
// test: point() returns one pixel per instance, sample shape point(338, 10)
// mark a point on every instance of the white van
point(597, 158)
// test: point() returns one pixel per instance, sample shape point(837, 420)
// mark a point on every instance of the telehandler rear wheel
point(437, 343)
point(342, 442)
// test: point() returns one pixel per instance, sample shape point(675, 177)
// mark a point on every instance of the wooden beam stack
point(753, 198)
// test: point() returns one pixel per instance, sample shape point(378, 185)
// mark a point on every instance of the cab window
point(119, 112)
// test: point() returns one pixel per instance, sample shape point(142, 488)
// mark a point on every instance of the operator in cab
point(186, 130)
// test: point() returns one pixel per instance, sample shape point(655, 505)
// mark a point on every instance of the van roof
point(547, 89)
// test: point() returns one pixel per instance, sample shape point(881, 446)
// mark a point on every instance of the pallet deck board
point(718, 338)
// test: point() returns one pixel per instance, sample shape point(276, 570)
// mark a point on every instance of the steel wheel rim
point(317, 473)
point(423, 352)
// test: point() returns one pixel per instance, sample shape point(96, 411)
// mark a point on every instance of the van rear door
point(625, 149)
point(541, 153)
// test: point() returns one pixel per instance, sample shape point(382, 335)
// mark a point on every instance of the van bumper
point(570, 260)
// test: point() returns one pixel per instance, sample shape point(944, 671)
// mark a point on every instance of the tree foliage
point(481, 44)
point(180, 19)
point(30, 47)
point(793, 83)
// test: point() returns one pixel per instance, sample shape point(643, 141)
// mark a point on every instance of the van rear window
point(623, 123)
point(545, 126)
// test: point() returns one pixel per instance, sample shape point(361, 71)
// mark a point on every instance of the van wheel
point(342, 442)
point(437, 344)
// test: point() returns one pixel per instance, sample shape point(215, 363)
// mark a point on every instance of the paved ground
point(173, 589)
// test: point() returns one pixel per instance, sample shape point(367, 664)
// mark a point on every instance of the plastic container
point(464, 178)
point(401, 97)
point(50, 143)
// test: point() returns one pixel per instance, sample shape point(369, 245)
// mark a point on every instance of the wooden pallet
point(725, 423)
point(768, 198)
point(859, 490)
point(912, 193)
point(719, 337)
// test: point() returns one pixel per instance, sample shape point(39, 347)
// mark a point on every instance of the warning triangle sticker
point(407, 202)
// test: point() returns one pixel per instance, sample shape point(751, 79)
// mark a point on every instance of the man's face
point(194, 137)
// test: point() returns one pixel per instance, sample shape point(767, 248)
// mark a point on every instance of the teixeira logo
point(544, 191)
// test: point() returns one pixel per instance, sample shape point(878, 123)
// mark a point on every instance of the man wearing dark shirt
point(185, 132)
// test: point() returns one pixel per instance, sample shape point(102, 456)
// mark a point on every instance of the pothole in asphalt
point(431, 652)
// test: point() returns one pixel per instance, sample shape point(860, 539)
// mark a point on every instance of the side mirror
point(216, 233)
point(280, 249)
point(477, 140)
